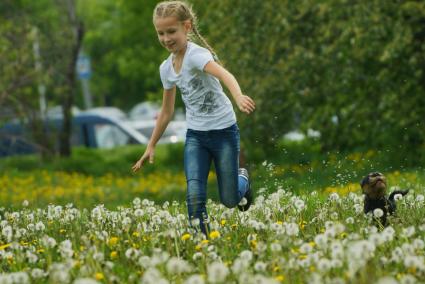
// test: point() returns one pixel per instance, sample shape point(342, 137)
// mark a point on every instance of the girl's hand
point(245, 104)
point(149, 154)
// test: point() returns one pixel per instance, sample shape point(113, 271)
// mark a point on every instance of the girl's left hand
point(245, 104)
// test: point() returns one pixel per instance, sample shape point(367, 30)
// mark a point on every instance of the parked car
point(108, 111)
point(144, 111)
point(56, 112)
point(174, 133)
point(89, 129)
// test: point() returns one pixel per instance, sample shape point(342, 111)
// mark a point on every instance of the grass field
point(306, 226)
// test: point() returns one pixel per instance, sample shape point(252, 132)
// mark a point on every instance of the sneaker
point(248, 194)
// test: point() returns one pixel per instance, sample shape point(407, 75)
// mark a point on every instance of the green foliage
point(98, 162)
point(123, 46)
point(308, 63)
point(352, 70)
point(38, 53)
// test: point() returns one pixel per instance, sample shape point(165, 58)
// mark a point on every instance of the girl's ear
point(187, 25)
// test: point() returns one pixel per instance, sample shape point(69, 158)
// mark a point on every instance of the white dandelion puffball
point(378, 213)
point(398, 196)
point(217, 272)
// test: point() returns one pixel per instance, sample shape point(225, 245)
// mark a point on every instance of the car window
point(109, 136)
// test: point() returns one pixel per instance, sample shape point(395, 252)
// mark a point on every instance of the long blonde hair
point(183, 12)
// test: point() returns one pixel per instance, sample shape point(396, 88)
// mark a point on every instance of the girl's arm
point(164, 117)
point(245, 103)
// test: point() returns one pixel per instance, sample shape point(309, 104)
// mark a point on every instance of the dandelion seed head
point(378, 213)
point(217, 272)
point(195, 279)
point(398, 197)
point(387, 280)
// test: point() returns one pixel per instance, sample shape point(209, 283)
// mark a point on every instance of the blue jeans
point(221, 146)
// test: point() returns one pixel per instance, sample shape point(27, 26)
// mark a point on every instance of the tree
point(352, 70)
point(41, 44)
point(124, 51)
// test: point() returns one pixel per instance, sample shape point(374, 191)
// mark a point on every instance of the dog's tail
point(402, 192)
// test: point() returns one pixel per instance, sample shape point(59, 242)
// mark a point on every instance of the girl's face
point(172, 33)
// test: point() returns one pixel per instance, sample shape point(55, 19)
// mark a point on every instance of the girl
point(212, 130)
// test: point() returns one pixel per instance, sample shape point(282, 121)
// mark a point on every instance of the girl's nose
point(166, 38)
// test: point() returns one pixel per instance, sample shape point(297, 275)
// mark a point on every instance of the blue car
point(88, 129)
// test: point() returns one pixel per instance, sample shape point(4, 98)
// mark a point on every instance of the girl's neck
point(180, 53)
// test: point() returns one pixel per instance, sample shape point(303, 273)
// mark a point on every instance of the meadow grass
point(307, 226)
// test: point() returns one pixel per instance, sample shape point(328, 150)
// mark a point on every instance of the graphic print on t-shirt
point(195, 95)
point(196, 85)
point(209, 104)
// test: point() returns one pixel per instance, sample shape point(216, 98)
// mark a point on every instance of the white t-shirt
point(207, 106)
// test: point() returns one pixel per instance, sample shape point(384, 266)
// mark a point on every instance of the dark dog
point(374, 187)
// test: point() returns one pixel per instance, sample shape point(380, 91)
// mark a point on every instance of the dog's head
point(374, 185)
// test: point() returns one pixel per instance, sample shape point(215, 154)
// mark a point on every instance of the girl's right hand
point(149, 154)
point(245, 104)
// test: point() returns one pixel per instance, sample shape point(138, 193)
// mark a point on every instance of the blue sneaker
point(247, 200)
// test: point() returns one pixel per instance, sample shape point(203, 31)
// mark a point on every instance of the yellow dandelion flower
point(62, 231)
point(204, 242)
point(223, 222)
point(99, 276)
point(279, 222)
point(185, 237)
point(280, 278)
point(5, 246)
point(113, 241)
point(114, 255)
point(253, 244)
point(136, 234)
point(198, 247)
point(10, 258)
point(214, 235)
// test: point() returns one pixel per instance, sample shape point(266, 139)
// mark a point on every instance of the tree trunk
point(68, 100)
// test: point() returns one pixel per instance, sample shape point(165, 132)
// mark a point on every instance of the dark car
point(88, 129)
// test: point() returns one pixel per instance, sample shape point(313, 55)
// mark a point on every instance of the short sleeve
point(163, 73)
point(199, 57)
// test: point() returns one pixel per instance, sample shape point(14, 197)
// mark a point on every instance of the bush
point(98, 162)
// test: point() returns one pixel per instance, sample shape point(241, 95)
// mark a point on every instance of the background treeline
point(353, 70)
